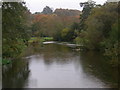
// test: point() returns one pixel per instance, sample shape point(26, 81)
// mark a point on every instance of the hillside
point(59, 12)
point(67, 12)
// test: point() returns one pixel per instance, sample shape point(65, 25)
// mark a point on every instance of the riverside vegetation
point(96, 28)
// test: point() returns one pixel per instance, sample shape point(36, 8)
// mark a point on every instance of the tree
point(98, 25)
point(67, 34)
point(112, 44)
point(51, 25)
point(87, 7)
point(14, 27)
point(67, 12)
point(47, 10)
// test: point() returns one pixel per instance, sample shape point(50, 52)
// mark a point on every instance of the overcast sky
point(38, 5)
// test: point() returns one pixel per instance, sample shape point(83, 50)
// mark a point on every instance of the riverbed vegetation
point(95, 27)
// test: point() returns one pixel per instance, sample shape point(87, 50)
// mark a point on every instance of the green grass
point(34, 39)
point(5, 61)
point(40, 39)
point(47, 38)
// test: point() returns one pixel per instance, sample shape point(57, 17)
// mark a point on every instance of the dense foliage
point(14, 28)
point(55, 24)
point(96, 28)
point(99, 29)
point(66, 12)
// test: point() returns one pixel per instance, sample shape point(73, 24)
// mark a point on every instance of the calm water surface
point(59, 66)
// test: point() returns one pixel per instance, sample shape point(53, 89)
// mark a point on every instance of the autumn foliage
point(53, 24)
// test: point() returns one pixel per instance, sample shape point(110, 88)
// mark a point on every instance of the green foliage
point(87, 7)
point(35, 29)
point(113, 53)
point(40, 39)
point(67, 34)
point(98, 25)
point(5, 61)
point(81, 41)
point(66, 12)
point(52, 25)
point(112, 44)
point(15, 28)
point(64, 32)
point(100, 30)
point(75, 26)
point(78, 40)
point(47, 38)
point(34, 39)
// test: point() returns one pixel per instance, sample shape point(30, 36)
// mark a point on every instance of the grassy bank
point(40, 39)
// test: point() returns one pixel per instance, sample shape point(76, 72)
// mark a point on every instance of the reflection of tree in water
point(92, 63)
point(57, 53)
point(96, 64)
point(16, 74)
point(33, 49)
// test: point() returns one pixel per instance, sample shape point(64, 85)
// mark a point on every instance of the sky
point(38, 5)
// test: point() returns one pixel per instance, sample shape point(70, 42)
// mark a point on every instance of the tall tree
point(47, 10)
point(14, 27)
point(87, 7)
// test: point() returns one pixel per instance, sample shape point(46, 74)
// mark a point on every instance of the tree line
point(99, 28)
point(15, 28)
point(54, 25)
point(96, 27)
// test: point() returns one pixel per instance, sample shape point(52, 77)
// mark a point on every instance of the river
point(59, 66)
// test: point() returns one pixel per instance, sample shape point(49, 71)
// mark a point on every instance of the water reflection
point(98, 65)
point(58, 66)
point(59, 54)
point(16, 74)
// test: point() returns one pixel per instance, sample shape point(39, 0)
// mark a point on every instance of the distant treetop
point(47, 10)
point(67, 12)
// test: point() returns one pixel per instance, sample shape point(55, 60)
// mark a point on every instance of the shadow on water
point(98, 65)
point(59, 54)
point(15, 75)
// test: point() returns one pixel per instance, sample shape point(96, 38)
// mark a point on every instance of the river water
point(59, 66)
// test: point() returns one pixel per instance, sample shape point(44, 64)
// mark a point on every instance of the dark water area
point(59, 66)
